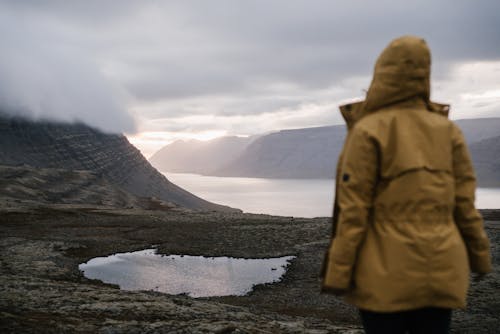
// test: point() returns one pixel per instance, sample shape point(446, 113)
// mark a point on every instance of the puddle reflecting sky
point(196, 276)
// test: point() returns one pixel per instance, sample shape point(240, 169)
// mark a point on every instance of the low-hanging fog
point(41, 78)
point(199, 69)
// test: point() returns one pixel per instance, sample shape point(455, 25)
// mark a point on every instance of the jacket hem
point(402, 307)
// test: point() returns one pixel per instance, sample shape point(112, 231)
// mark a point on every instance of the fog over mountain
point(43, 79)
point(306, 153)
point(199, 157)
point(176, 69)
point(108, 159)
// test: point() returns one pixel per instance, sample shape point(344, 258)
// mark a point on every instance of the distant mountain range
point(199, 157)
point(486, 157)
point(52, 154)
point(306, 153)
point(301, 153)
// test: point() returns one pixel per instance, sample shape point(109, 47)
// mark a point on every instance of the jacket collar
point(353, 112)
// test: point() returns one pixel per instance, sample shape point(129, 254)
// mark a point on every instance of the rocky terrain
point(35, 186)
point(69, 193)
point(77, 147)
point(51, 185)
point(42, 290)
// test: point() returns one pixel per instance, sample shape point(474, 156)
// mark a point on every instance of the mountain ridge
point(73, 147)
point(199, 157)
point(486, 157)
point(311, 153)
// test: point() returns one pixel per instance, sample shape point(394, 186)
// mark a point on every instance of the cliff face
point(313, 153)
point(301, 153)
point(486, 157)
point(477, 129)
point(79, 147)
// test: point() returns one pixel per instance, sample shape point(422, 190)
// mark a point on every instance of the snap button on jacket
point(406, 233)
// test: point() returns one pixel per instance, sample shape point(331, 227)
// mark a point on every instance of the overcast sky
point(163, 70)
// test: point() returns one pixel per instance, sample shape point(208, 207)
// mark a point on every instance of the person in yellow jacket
point(406, 233)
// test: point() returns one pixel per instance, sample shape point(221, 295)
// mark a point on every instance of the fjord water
point(283, 197)
point(196, 276)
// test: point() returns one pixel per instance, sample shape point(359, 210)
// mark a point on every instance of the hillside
point(302, 153)
point(477, 129)
point(79, 147)
point(307, 153)
point(51, 185)
point(486, 157)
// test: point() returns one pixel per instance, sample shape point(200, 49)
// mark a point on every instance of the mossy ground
point(42, 290)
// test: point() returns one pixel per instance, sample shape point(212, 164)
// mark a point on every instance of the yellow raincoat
point(406, 232)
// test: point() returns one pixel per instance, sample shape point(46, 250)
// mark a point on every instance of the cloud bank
point(235, 67)
point(43, 79)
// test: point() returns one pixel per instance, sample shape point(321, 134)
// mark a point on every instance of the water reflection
point(196, 276)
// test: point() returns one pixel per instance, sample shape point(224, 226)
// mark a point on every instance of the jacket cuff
point(335, 278)
point(481, 265)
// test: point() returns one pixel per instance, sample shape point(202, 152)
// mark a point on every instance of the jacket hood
point(402, 72)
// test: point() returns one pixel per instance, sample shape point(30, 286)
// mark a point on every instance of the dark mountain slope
point(61, 186)
point(301, 153)
point(79, 147)
point(313, 152)
point(486, 157)
point(477, 129)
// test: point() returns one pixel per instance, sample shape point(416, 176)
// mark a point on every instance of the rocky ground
point(42, 290)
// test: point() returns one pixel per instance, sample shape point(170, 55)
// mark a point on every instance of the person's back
point(405, 197)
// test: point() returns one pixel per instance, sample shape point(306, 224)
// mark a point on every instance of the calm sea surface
point(283, 197)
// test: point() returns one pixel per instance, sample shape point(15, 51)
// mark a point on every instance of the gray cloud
point(223, 57)
point(43, 79)
point(314, 44)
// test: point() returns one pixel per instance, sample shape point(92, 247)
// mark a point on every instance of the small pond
point(196, 276)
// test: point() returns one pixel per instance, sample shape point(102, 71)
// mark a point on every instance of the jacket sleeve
point(359, 174)
point(467, 218)
point(335, 218)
